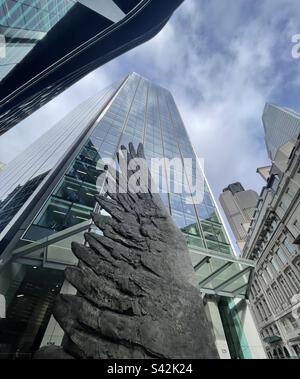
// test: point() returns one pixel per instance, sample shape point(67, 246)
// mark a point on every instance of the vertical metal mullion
point(146, 114)
point(181, 156)
point(127, 117)
point(163, 147)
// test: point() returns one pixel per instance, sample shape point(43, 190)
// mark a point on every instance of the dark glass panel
point(14, 201)
point(30, 298)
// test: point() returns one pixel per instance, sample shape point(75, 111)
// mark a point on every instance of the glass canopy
point(217, 273)
point(222, 274)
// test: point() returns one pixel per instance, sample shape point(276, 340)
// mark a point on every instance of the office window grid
point(47, 150)
point(24, 23)
point(141, 112)
point(17, 199)
point(281, 125)
point(73, 198)
point(21, 177)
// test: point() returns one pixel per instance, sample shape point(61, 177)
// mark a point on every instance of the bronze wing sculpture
point(137, 295)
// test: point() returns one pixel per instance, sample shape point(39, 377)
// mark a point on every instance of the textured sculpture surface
point(137, 294)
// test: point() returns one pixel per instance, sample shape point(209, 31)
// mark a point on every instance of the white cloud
point(221, 64)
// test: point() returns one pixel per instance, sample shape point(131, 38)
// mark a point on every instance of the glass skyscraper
point(47, 45)
point(239, 207)
point(25, 22)
point(281, 125)
point(47, 195)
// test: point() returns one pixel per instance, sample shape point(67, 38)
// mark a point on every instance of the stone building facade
point(273, 241)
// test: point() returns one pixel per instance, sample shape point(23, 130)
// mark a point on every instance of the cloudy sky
point(222, 60)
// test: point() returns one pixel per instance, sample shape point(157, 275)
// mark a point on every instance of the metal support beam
point(215, 274)
point(239, 290)
point(40, 263)
point(222, 256)
point(232, 279)
point(54, 238)
point(202, 263)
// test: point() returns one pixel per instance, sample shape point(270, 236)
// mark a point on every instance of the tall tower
point(23, 24)
point(48, 194)
point(139, 112)
point(36, 63)
point(239, 206)
point(282, 126)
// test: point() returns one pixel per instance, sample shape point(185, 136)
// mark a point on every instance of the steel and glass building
point(281, 126)
point(47, 194)
point(47, 45)
point(239, 206)
point(23, 24)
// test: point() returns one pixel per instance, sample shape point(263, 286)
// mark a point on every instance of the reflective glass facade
point(133, 110)
point(94, 32)
point(281, 125)
point(21, 177)
point(16, 199)
point(25, 22)
point(31, 295)
point(142, 112)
